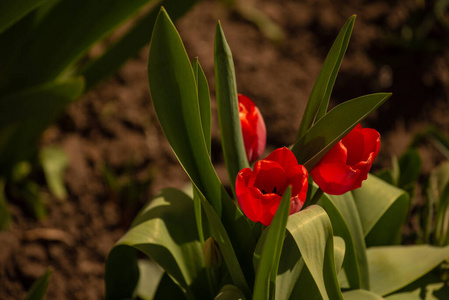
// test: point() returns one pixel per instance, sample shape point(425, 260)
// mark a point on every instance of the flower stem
point(316, 197)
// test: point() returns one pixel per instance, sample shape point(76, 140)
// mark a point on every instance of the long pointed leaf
point(331, 128)
point(204, 101)
point(228, 108)
point(222, 239)
point(265, 283)
point(321, 92)
point(175, 100)
point(39, 288)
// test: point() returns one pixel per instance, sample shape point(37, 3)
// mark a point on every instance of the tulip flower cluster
point(205, 247)
point(341, 170)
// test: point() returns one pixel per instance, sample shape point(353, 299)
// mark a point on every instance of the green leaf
point(392, 268)
point(438, 204)
point(331, 128)
point(346, 223)
point(39, 287)
point(230, 292)
point(228, 108)
point(164, 231)
point(29, 112)
point(204, 101)
point(54, 162)
point(121, 273)
point(321, 92)
point(175, 100)
point(428, 287)
point(221, 237)
point(361, 294)
point(410, 167)
point(382, 209)
point(150, 275)
point(270, 251)
point(5, 216)
point(312, 230)
point(131, 42)
point(65, 34)
point(436, 136)
point(339, 252)
point(12, 11)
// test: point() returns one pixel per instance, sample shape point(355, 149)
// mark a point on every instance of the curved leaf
point(228, 108)
point(312, 231)
point(382, 209)
point(392, 268)
point(321, 92)
point(230, 292)
point(332, 127)
point(361, 294)
point(164, 231)
point(346, 223)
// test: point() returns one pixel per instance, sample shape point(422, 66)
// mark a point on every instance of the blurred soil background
point(119, 158)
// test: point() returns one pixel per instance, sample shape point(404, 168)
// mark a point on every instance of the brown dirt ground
point(114, 126)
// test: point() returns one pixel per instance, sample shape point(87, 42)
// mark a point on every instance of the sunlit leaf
point(150, 275)
point(392, 268)
point(270, 251)
point(339, 252)
point(312, 231)
point(164, 231)
point(331, 128)
point(346, 223)
point(361, 294)
point(428, 287)
point(228, 108)
point(321, 92)
point(382, 209)
point(230, 292)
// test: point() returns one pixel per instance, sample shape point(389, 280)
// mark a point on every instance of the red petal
point(336, 179)
point(270, 175)
point(337, 154)
point(297, 177)
point(284, 157)
point(270, 204)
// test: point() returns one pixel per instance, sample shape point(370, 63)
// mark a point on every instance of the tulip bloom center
point(260, 191)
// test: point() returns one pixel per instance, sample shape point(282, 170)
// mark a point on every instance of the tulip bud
point(348, 163)
point(211, 253)
point(253, 128)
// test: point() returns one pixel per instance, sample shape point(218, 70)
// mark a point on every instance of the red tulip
point(253, 128)
point(347, 164)
point(260, 191)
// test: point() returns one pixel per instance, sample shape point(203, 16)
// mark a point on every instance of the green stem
point(316, 197)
